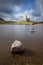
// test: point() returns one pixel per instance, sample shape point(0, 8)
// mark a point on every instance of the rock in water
point(17, 47)
point(32, 30)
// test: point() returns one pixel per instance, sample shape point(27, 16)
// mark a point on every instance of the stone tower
point(25, 18)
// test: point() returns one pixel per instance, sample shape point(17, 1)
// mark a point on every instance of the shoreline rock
point(17, 47)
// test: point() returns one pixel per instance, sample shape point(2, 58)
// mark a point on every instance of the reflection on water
point(9, 33)
point(19, 31)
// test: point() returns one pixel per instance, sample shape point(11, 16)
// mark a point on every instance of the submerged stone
point(32, 30)
point(17, 47)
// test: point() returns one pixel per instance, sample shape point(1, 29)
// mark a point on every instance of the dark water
point(10, 33)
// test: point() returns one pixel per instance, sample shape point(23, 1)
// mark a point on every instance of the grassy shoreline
point(21, 23)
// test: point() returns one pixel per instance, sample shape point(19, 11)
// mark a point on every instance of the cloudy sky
point(15, 10)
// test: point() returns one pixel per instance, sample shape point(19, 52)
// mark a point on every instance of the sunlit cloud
point(17, 8)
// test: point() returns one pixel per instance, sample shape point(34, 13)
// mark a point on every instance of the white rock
point(32, 30)
point(17, 46)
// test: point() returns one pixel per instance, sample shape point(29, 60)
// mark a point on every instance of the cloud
point(21, 16)
point(15, 10)
point(38, 12)
point(16, 2)
point(8, 17)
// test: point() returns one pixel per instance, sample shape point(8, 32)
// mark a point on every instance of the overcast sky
point(15, 10)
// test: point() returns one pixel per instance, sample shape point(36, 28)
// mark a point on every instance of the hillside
point(1, 19)
point(6, 22)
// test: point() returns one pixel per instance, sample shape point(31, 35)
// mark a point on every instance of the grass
point(18, 23)
point(6, 22)
point(24, 23)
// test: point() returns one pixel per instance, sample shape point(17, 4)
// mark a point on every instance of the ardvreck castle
point(26, 19)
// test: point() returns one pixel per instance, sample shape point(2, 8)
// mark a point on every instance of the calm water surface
point(10, 33)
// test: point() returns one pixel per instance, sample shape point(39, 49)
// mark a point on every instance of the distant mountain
point(1, 19)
